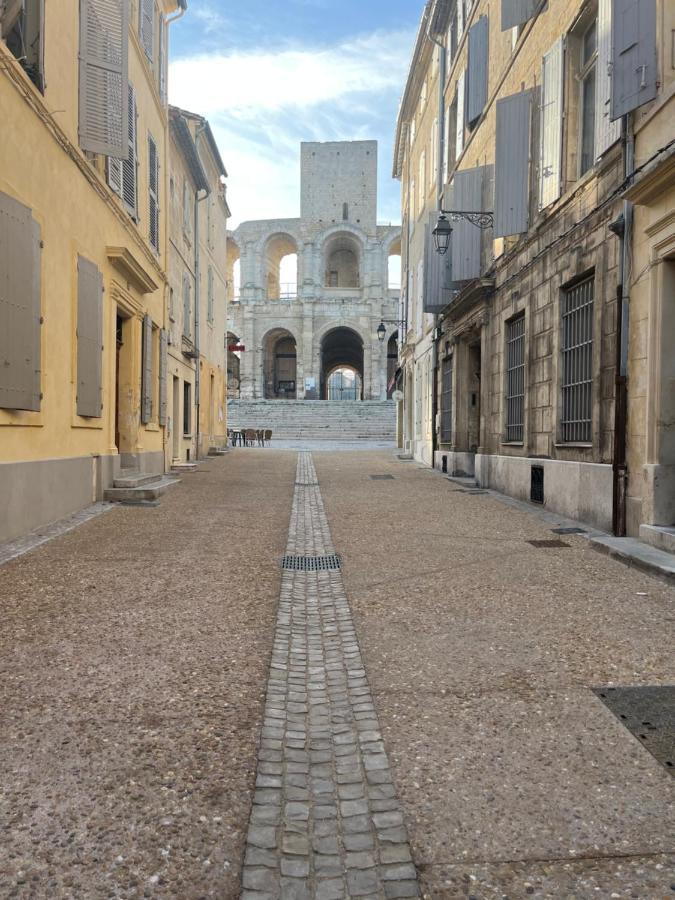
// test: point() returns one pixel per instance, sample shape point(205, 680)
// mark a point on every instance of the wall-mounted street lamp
point(443, 228)
point(382, 328)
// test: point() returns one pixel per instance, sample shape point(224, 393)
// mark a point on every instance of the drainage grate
point(382, 477)
point(568, 531)
point(306, 483)
point(649, 714)
point(329, 563)
point(546, 545)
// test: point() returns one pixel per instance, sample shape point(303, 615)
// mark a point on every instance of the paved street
point(173, 703)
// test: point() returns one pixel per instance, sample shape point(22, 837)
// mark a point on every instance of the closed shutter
point(459, 142)
point(163, 374)
point(163, 58)
point(130, 165)
point(437, 271)
point(146, 27)
point(467, 194)
point(153, 192)
point(187, 307)
point(104, 26)
point(20, 306)
point(89, 338)
point(446, 144)
point(461, 20)
point(209, 311)
point(512, 164)
point(146, 375)
point(606, 131)
point(550, 158)
point(114, 167)
point(516, 12)
point(477, 77)
point(633, 55)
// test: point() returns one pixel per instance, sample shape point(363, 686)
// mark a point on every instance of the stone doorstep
point(150, 491)
point(659, 536)
point(133, 478)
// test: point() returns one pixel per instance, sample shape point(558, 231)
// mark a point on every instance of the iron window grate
point(515, 379)
point(577, 362)
point(649, 714)
point(329, 563)
point(446, 401)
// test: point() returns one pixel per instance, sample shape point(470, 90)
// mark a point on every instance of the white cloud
point(261, 105)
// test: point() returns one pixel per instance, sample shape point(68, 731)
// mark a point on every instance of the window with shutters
point(577, 362)
point(434, 155)
point(22, 25)
point(587, 87)
point(209, 289)
point(550, 136)
point(162, 59)
point(515, 379)
point(147, 370)
point(459, 100)
point(446, 400)
point(477, 71)
point(187, 306)
point(20, 306)
point(153, 193)
point(89, 339)
point(146, 27)
point(451, 144)
point(187, 208)
point(123, 174)
point(512, 165)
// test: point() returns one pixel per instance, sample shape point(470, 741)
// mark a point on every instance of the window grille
point(515, 379)
point(577, 362)
point(446, 401)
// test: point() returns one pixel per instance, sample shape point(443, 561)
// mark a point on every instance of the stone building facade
point(324, 321)
point(524, 316)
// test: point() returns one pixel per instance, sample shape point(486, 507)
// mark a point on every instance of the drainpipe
point(198, 292)
point(179, 15)
point(625, 234)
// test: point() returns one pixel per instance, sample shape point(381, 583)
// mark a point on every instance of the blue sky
point(269, 75)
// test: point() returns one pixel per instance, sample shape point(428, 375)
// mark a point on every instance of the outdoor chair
point(267, 437)
point(250, 437)
point(260, 434)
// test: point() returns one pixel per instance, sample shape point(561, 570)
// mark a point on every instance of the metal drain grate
point(649, 714)
point(569, 531)
point(330, 563)
point(548, 545)
point(382, 477)
point(306, 483)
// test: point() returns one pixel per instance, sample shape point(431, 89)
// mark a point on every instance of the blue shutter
point(477, 73)
point(516, 12)
point(633, 55)
point(467, 191)
point(512, 164)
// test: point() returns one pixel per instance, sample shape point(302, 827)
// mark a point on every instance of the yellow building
point(83, 248)
point(197, 311)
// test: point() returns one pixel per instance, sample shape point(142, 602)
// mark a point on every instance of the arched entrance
point(341, 349)
point(280, 365)
point(344, 384)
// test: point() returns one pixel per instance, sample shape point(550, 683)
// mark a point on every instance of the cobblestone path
point(325, 821)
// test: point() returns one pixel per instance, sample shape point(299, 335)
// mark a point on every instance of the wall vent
point(537, 484)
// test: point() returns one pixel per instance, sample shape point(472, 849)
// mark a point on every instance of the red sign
point(236, 348)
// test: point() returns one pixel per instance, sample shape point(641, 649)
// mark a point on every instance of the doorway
point(124, 414)
point(176, 417)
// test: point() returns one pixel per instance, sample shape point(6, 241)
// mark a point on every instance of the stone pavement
point(325, 821)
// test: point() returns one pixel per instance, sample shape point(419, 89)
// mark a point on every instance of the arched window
point(233, 270)
point(343, 262)
point(281, 267)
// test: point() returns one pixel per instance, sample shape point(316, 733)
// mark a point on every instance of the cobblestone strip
point(325, 821)
point(29, 542)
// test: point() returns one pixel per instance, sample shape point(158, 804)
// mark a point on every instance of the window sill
point(580, 445)
point(152, 426)
point(512, 443)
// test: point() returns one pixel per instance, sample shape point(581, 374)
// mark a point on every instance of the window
point(22, 26)
point(587, 83)
point(451, 143)
point(187, 408)
point(209, 305)
point(515, 378)
point(147, 371)
point(446, 400)
point(123, 174)
point(187, 306)
point(172, 311)
point(89, 338)
point(577, 362)
point(146, 27)
point(153, 192)
point(187, 208)
point(434, 154)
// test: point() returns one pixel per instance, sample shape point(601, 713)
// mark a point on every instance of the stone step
point(184, 467)
point(149, 491)
point(133, 478)
point(659, 536)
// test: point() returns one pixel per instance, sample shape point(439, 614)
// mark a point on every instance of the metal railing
point(577, 363)
point(515, 379)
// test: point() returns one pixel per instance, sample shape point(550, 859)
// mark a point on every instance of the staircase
point(137, 488)
point(316, 420)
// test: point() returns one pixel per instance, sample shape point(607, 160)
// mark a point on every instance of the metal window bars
point(446, 402)
point(515, 379)
point(577, 362)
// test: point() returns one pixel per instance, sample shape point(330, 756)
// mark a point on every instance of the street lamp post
point(443, 229)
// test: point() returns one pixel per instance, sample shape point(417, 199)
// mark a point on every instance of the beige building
point(197, 302)
point(83, 251)
point(528, 295)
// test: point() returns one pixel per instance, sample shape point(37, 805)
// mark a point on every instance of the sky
point(270, 74)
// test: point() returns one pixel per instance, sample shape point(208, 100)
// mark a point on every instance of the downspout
point(198, 292)
point(179, 15)
point(625, 233)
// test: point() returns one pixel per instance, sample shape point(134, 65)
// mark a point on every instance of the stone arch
point(342, 254)
point(393, 250)
point(342, 347)
point(233, 269)
point(280, 365)
point(280, 261)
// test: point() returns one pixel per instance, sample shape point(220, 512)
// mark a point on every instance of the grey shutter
point(437, 272)
point(10, 10)
point(209, 294)
point(115, 174)
point(459, 142)
point(89, 338)
point(146, 377)
point(516, 12)
point(633, 61)
point(163, 374)
point(512, 164)
point(163, 58)
point(606, 131)
point(33, 35)
point(104, 37)
point(550, 154)
point(129, 165)
point(146, 26)
point(187, 307)
point(20, 306)
point(466, 194)
point(477, 73)
point(153, 192)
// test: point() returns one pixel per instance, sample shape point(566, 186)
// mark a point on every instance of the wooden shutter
point(187, 306)
point(163, 374)
point(104, 27)
point(20, 306)
point(633, 55)
point(606, 131)
point(89, 338)
point(512, 164)
point(477, 73)
point(437, 271)
point(153, 192)
point(209, 313)
point(466, 193)
point(550, 145)
point(163, 58)
point(446, 144)
point(459, 137)
point(130, 164)
point(114, 167)
point(146, 26)
point(460, 20)
point(517, 12)
point(146, 375)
